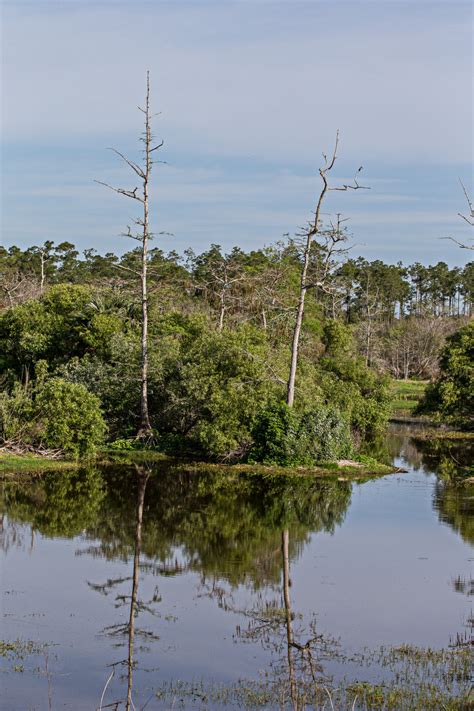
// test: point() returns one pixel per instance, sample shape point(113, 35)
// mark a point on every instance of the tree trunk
point(145, 426)
point(290, 393)
point(220, 324)
point(312, 231)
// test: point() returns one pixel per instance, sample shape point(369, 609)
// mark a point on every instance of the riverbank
point(31, 464)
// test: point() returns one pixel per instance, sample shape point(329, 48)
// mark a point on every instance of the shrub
point(286, 437)
point(451, 397)
point(346, 382)
point(70, 418)
point(212, 392)
point(55, 414)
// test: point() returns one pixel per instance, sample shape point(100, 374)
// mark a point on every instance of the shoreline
point(15, 464)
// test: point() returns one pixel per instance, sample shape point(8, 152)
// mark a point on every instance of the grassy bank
point(32, 463)
point(406, 395)
point(11, 463)
point(352, 470)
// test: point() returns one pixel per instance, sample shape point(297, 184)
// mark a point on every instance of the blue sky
point(250, 94)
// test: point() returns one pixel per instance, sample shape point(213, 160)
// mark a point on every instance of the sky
point(250, 93)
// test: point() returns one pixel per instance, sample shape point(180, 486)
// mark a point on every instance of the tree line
point(247, 283)
point(220, 333)
point(400, 315)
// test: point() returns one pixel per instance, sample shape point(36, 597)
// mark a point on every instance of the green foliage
point(58, 503)
point(125, 445)
point(289, 438)
point(16, 414)
point(347, 383)
point(63, 324)
point(212, 392)
point(54, 414)
point(451, 397)
point(26, 334)
point(69, 418)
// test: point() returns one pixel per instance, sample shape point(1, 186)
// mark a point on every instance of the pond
point(157, 587)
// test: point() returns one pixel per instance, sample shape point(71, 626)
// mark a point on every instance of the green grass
point(406, 395)
point(30, 463)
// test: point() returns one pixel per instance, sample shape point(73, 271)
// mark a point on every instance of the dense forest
point(219, 343)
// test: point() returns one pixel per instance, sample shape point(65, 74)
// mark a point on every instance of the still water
point(223, 573)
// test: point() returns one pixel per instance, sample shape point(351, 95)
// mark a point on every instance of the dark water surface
point(220, 569)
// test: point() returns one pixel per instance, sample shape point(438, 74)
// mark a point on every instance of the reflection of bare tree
point(288, 616)
point(135, 604)
point(142, 481)
point(300, 650)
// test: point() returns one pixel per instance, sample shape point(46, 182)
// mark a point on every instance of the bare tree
point(469, 218)
point(332, 238)
point(142, 236)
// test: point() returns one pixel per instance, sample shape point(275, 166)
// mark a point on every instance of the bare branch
point(460, 244)
point(128, 193)
point(356, 186)
point(132, 165)
point(469, 220)
point(127, 269)
point(468, 199)
point(156, 148)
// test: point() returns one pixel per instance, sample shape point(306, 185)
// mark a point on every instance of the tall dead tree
point(332, 238)
point(143, 236)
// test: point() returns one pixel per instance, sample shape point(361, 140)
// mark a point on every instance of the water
point(226, 566)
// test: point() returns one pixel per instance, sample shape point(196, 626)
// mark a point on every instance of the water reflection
point(231, 531)
point(455, 506)
point(208, 518)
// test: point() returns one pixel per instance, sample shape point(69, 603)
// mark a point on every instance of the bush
point(451, 397)
point(212, 392)
point(286, 437)
point(346, 382)
point(16, 414)
point(54, 414)
point(70, 418)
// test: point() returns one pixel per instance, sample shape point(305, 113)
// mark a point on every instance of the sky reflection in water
point(371, 563)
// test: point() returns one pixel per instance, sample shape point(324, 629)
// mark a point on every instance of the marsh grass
point(419, 680)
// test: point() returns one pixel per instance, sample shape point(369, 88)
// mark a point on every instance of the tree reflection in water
point(226, 516)
point(231, 530)
point(136, 605)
